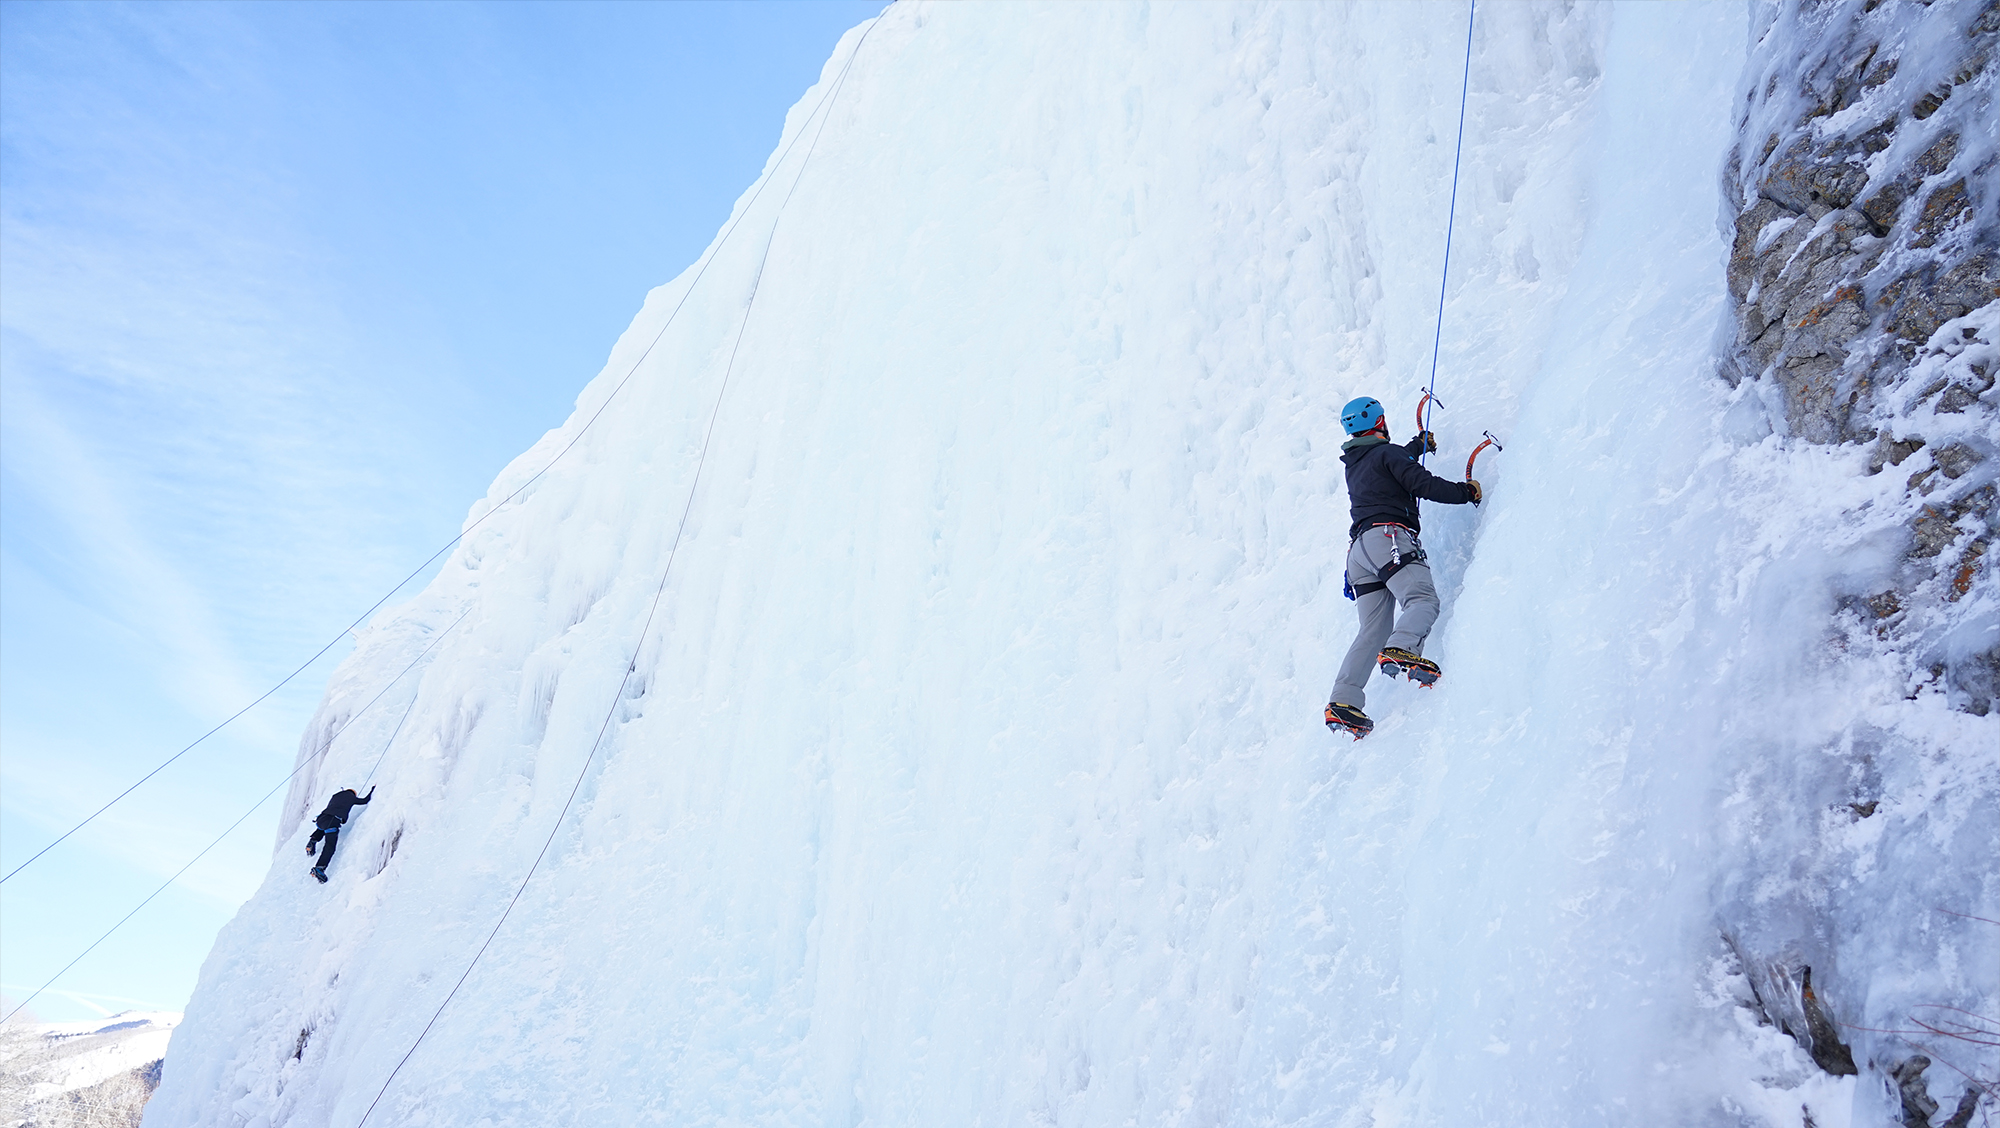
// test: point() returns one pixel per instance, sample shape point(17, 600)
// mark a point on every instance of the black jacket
point(337, 808)
point(1384, 481)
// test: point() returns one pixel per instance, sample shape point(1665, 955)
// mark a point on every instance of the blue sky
point(282, 287)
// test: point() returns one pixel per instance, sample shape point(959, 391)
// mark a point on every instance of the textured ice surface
point(972, 772)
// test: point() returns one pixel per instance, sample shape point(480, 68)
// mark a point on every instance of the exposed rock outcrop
point(1918, 1104)
point(1865, 279)
point(1864, 283)
point(1788, 1002)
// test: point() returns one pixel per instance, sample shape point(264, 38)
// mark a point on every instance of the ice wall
point(972, 771)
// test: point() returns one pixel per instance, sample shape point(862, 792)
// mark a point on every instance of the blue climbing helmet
point(1361, 414)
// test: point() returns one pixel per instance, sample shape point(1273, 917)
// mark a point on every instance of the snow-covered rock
point(1865, 287)
point(90, 1074)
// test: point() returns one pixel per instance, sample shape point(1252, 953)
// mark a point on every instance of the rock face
point(1864, 276)
point(1864, 282)
point(1867, 216)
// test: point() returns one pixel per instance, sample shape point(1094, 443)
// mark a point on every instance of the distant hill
point(95, 1074)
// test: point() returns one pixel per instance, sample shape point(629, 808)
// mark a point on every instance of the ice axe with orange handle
point(1489, 441)
point(1428, 400)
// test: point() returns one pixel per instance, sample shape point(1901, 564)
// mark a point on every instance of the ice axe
point(1427, 400)
point(1489, 441)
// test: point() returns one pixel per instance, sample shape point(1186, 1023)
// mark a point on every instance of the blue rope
point(1464, 83)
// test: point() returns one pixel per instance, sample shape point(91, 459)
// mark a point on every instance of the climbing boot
point(320, 873)
point(1395, 661)
point(1346, 718)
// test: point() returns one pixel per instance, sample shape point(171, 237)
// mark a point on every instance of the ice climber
point(1385, 560)
point(329, 823)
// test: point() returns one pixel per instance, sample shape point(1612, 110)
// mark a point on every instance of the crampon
point(1395, 661)
point(1348, 719)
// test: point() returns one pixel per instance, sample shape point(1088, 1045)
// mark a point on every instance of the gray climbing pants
point(1381, 626)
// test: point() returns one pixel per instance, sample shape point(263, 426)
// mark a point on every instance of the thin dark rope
point(1451, 216)
point(408, 709)
point(239, 821)
point(633, 664)
point(391, 743)
point(156, 771)
point(448, 545)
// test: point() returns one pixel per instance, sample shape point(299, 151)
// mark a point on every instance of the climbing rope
point(204, 736)
point(1451, 215)
point(407, 709)
point(349, 723)
point(632, 665)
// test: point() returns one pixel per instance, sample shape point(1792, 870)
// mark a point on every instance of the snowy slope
point(95, 1072)
point(971, 771)
point(80, 1054)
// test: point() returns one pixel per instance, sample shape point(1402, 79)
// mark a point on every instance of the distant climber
point(1385, 560)
point(329, 823)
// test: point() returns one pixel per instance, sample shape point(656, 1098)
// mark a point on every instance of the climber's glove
point(1473, 485)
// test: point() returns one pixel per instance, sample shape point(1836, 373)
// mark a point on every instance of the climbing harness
point(1397, 562)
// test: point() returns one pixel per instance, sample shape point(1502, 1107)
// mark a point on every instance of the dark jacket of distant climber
point(338, 807)
point(1384, 481)
point(329, 823)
